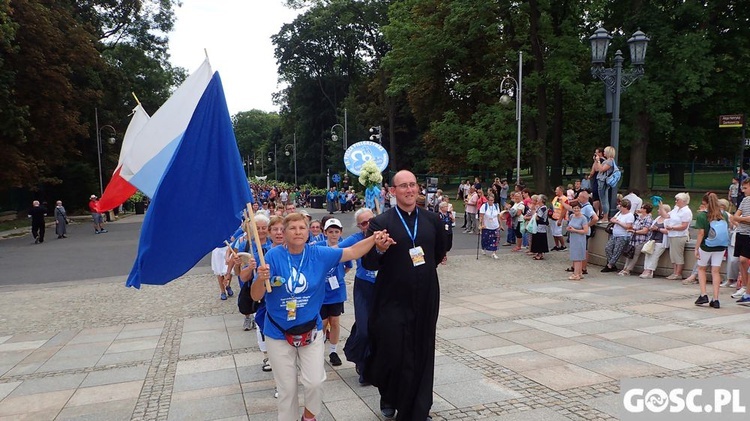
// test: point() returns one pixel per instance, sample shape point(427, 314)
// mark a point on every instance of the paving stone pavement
point(516, 341)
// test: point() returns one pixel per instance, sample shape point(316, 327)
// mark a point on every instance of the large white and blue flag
point(199, 194)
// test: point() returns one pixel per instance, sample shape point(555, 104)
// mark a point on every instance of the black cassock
point(405, 311)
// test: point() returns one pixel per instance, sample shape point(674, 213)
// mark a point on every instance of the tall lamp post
point(616, 80)
point(260, 161)
point(294, 152)
point(335, 137)
point(111, 140)
point(506, 98)
point(272, 158)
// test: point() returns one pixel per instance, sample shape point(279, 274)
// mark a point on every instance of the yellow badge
point(417, 256)
point(291, 310)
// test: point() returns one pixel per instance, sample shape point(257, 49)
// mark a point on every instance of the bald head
point(405, 188)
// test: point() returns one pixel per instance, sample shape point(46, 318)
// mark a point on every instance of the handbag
point(628, 251)
point(531, 225)
point(648, 247)
point(611, 226)
point(245, 302)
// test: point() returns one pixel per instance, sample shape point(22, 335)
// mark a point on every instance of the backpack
point(718, 234)
point(614, 178)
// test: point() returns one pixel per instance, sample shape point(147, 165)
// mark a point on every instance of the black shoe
point(362, 381)
point(570, 269)
point(608, 269)
point(715, 304)
point(387, 410)
point(555, 248)
point(563, 248)
point(335, 360)
point(703, 299)
point(584, 272)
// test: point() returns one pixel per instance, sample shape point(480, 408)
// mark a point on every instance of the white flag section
point(144, 164)
point(118, 190)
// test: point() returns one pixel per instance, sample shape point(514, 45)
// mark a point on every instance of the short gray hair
point(685, 197)
point(261, 217)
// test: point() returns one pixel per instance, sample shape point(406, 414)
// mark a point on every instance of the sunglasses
point(363, 224)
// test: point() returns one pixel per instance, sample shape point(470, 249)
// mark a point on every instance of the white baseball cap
point(93, 196)
point(333, 222)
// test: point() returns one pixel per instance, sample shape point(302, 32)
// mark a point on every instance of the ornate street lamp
point(616, 79)
point(111, 140)
point(293, 147)
point(509, 90)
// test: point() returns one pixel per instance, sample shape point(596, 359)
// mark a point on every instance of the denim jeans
point(604, 198)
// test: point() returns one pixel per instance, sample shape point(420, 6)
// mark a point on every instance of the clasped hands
point(383, 240)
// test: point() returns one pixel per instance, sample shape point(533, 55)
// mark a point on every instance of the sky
point(237, 35)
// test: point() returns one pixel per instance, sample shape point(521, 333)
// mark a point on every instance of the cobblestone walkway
point(516, 341)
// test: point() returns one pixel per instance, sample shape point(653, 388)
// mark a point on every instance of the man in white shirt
point(635, 201)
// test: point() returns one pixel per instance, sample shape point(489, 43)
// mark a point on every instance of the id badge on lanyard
point(415, 253)
point(291, 304)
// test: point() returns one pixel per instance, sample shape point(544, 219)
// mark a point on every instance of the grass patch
point(18, 223)
point(714, 180)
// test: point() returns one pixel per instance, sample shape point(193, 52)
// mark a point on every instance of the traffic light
point(376, 134)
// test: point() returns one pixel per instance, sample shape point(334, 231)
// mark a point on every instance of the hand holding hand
point(383, 240)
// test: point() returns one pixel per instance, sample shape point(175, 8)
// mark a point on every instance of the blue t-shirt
point(338, 295)
point(332, 195)
point(361, 273)
point(588, 211)
point(240, 243)
point(342, 198)
point(320, 238)
point(308, 288)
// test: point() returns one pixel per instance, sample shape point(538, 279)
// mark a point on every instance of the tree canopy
point(428, 72)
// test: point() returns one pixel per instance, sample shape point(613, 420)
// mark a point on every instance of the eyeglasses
point(363, 224)
point(407, 185)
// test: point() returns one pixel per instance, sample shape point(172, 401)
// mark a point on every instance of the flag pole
point(136, 98)
point(257, 242)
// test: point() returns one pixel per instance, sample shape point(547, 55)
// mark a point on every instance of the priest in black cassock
point(406, 301)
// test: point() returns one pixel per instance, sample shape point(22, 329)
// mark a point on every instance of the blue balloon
point(361, 152)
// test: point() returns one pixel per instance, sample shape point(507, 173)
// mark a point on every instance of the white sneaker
point(725, 283)
point(494, 256)
point(740, 292)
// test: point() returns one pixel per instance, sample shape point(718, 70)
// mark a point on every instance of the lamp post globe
point(505, 99)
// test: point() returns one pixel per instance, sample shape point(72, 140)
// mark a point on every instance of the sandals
point(266, 365)
point(575, 277)
point(538, 257)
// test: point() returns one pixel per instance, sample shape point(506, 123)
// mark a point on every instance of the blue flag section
point(199, 201)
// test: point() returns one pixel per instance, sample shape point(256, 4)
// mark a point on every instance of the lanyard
point(416, 223)
point(292, 277)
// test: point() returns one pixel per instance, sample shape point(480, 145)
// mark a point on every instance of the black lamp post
point(616, 79)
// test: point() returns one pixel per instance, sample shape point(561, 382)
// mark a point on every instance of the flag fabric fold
point(118, 190)
point(144, 165)
point(199, 199)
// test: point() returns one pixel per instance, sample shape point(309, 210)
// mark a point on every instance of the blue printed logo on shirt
point(301, 283)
